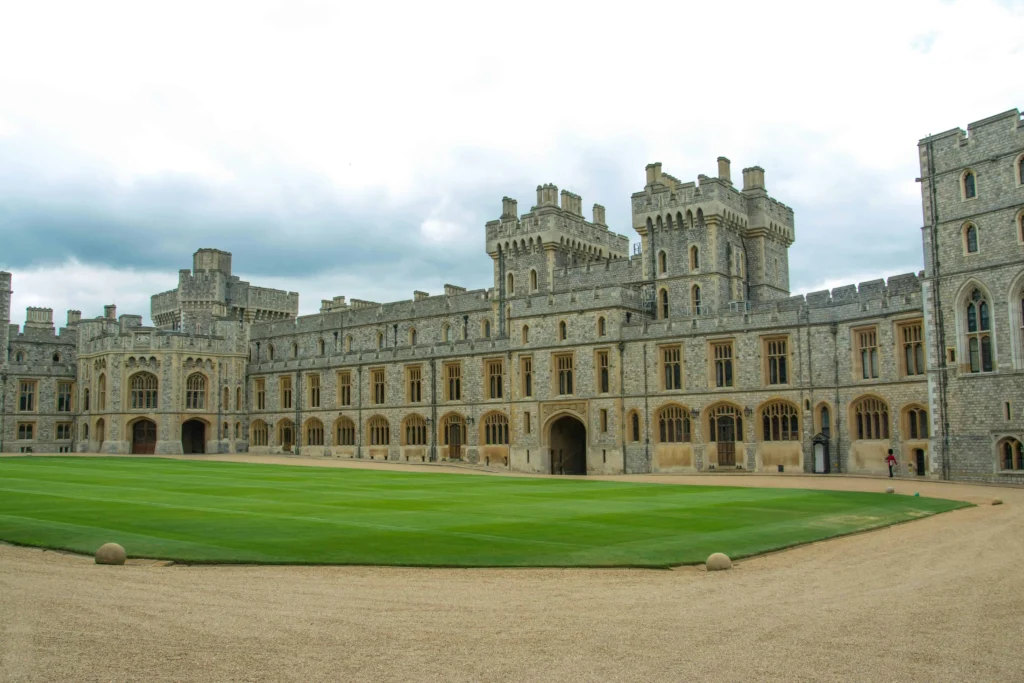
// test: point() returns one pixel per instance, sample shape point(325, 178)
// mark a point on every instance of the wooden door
point(454, 441)
point(286, 439)
point(726, 441)
point(144, 437)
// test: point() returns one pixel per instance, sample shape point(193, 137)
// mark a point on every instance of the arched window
point(673, 425)
point(344, 432)
point(260, 433)
point(915, 423)
point(979, 340)
point(634, 427)
point(144, 391)
point(224, 433)
point(779, 422)
point(85, 432)
point(195, 392)
point(496, 429)
point(487, 329)
point(446, 333)
point(314, 432)
point(56, 358)
point(533, 280)
point(295, 350)
point(238, 398)
point(19, 357)
point(1020, 169)
point(286, 435)
point(448, 423)
point(662, 263)
point(970, 238)
point(663, 304)
point(1009, 454)
point(379, 431)
point(725, 424)
point(348, 343)
point(695, 300)
point(270, 352)
point(969, 185)
point(415, 431)
point(526, 334)
point(562, 331)
point(321, 347)
point(101, 392)
point(380, 341)
point(601, 327)
point(85, 399)
point(412, 336)
point(510, 287)
point(870, 419)
point(694, 258)
point(825, 416)
point(238, 430)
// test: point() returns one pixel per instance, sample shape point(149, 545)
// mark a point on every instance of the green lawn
point(229, 512)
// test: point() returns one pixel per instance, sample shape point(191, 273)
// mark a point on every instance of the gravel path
point(939, 599)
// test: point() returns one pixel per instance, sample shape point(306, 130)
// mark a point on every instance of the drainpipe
point(359, 414)
point(433, 410)
point(834, 329)
point(647, 434)
point(3, 408)
point(622, 403)
point(298, 412)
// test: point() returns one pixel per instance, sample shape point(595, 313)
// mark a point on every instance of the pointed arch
point(414, 431)
point(195, 391)
point(914, 422)
point(976, 339)
point(969, 232)
point(533, 280)
point(1008, 455)
point(412, 336)
point(144, 391)
point(969, 184)
point(695, 301)
point(344, 432)
point(526, 334)
point(259, 434)
point(694, 257)
point(663, 303)
point(510, 285)
point(494, 429)
point(314, 432)
point(446, 333)
point(779, 421)
point(673, 424)
point(378, 430)
point(662, 262)
point(348, 343)
point(321, 347)
point(633, 431)
point(869, 418)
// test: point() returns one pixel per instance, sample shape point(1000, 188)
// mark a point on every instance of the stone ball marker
point(717, 562)
point(890, 490)
point(110, 553)
point(997, 501)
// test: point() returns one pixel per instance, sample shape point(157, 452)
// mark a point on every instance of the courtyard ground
point(935, 600)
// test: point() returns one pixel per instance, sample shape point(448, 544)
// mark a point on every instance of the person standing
point(890, 460)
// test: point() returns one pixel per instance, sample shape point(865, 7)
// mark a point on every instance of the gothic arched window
point(969, 183)
point(971, 238)
point(979, 340)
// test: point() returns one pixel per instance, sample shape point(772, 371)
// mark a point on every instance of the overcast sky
point(358, 148)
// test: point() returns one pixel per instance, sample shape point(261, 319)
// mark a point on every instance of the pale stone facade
point(686, 356)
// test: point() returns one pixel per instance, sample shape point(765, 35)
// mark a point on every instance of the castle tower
point(5, 316)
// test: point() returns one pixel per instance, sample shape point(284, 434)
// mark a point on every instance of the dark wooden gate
point(726, 442)
point(454, 441)
point(144, 437)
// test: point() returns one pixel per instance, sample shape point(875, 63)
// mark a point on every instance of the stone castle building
point(581, 357)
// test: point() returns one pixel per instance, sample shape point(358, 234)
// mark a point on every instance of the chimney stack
point(420, 296)
point(599, 215)
point(724, 172)
point(509, 208)
point(110, 311)
point(74, 317)
point(753, 178)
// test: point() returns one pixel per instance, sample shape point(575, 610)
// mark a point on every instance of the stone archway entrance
point(568, 441)
point(193, 437)
point(143, 436)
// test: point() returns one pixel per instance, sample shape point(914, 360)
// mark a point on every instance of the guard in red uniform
point(890, 460)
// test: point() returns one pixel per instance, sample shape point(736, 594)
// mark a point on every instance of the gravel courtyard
point(938, 599)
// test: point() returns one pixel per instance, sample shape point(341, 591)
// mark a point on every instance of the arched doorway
point(143, 437)
point(726, 428)
point(568, 441)
point(919, 462)
point(193, 437)
point(101, 434)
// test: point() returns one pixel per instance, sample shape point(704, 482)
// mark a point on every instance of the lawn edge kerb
point(961, 505)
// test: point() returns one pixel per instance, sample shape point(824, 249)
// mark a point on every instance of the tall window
point(694, 258)
point(563, 331)
point(27, 396)
point(261, 394)
point(496, 430)
point(603, 379)
point(414, 380)
point(1010, 454)
point(101, 392)
point(912, 358)
point(663, 303)
point(380, 341)
point(778, 365)
point(487, 329)
point(314, 432)
point(564, 365)
point(144, 391)
point(345, 388)
point(779, 422)
point(270, 352)
point(286, 392)
point(602, 327)
point(979, 341)
point(344, 432)
point(604, 420)
point(85, 399)
point(695, 300)
point(662, 262)
point(314, 390)
point(867, 352)
point(495, 379)
point(971, 238)
point(533, 280)
point(63, 431)
point(526, 334)
point(970, 189)
point(510, 285)
point(527, 372)
point(412, 337)
point(916, 423)
point(320, 347)
point(634, 427)
point(26, 431)
point(722, 353)
point(527, 428)
point(671, 368)
point(826, 421)
point(238, 398)
point(415, 431)
point(195, 392)
point(63, 397)
point(870, 419)
point(453, 382)
point(446, 332)
point(377, 382)
point(380, 431)
point(225, 400)
point(348, 344)
point(673, 425)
